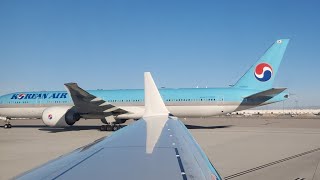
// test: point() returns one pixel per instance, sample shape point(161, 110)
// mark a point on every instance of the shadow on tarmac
point(26, 126)
point(71, 128)
point(206, 127)
point(81, 128)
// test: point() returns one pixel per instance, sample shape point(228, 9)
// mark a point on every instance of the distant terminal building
point(278, 112)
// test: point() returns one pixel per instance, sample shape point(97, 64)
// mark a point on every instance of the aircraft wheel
point(103, 128)
point(109, 128)
point(115, 128)
point(7, 126)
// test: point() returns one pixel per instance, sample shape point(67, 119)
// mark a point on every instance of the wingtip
point(70, 83)
point(147, 75)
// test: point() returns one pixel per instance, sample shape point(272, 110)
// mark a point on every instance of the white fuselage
point(136, 111)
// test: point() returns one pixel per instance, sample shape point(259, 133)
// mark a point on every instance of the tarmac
point(286, 148)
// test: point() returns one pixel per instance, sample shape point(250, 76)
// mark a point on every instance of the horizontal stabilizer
point(268, 93)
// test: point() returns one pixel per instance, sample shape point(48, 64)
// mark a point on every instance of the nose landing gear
point(7, 124)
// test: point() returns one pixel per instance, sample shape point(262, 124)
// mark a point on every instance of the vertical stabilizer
point(261, 75)
point(154, 104)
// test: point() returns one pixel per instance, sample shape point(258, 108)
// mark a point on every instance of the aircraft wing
point(156, 147)
point(87, 104)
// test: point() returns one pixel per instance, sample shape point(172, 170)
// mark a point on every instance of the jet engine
point(60, 116)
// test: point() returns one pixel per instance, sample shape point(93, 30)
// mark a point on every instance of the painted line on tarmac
point(270, 164)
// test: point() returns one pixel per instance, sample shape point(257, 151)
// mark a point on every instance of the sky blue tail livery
point(261, 75)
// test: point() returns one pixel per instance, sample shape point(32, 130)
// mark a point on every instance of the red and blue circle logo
point(21, 96)
point(263, 72)
point(50, 116)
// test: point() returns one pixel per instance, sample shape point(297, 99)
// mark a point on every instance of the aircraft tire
point(103, 128)
point(109, 128)
point(7, 126)
point(115, 128)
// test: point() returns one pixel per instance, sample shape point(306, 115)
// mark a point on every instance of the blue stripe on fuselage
point(134, 95)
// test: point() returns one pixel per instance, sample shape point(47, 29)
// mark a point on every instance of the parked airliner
point(64, 108)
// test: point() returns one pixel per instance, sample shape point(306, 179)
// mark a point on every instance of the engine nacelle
point(60, 116)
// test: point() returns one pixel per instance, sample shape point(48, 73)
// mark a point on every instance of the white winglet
point(156, 113)
point(154, 105)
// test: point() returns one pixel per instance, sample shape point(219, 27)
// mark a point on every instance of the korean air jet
point(113, 107)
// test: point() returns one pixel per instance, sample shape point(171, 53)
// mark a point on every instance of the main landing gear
point(109, 127)
point(7, 124)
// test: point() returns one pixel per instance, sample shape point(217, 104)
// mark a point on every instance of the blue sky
point(109, 44)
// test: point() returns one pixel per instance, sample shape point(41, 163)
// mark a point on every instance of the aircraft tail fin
point(261, 74)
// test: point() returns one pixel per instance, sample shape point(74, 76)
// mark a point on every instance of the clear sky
point(109, 44)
